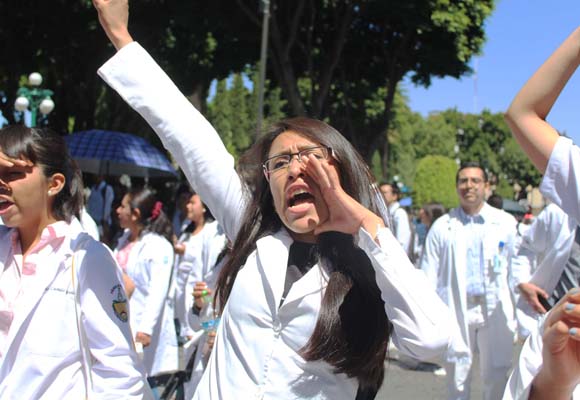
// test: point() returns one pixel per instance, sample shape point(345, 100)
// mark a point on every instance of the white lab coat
point(89, 225)
point(197, 264)
point(42, 358)
point(150, 265)
point(401, 224)
point(444, 262)
point(561, 182)
point(256, 350)
point(550, 238)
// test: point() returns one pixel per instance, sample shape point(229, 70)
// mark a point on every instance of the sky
point(521, 34)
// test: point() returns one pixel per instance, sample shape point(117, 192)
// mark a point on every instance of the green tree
point(486, 138)
point(220, 115)
point(241, 125)
point(435, 181)
point(349, 51)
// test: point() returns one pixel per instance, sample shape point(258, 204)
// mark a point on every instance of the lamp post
point(457, 147)
point(265, 4)
point(34, 98)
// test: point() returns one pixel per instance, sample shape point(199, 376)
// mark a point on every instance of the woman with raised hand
point(549, 364)
point(146, 245)
point(202, 247)
point(64, 325)
point(316, 285)
point(554, 155)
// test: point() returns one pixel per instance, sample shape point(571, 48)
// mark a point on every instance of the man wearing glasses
point(466, 259)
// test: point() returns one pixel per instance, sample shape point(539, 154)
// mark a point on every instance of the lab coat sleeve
point(527, 367)
point(116, 368)
point(430, 259)
point(183, 289)
point(423, 325)
point(160, 259)
point(403, 229)
point(561, 182)
point(195, 275)
point(183, 130)
point(534, 243)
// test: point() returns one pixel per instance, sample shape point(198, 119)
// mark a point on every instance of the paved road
point(403, 382)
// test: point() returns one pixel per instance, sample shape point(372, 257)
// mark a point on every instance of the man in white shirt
point(402, 228)
point(465, 258)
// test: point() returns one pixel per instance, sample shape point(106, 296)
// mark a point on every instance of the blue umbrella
point(406, 202)
point(115, 153)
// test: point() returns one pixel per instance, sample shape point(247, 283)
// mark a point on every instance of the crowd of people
point(291, 282)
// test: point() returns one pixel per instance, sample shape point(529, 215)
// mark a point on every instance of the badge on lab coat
point(120, 303)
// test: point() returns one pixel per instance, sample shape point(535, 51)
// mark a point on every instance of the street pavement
point(404, 382)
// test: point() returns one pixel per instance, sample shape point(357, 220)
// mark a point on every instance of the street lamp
point(265, 5)
point(34, 98)
point(457, 147)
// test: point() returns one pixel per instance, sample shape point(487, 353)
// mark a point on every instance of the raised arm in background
point(527, 114)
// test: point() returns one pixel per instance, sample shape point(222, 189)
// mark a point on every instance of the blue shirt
point(474, 231)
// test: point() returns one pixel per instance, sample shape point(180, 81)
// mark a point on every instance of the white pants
point(495, 359)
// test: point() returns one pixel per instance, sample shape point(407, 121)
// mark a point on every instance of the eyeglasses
point(464, 181)
point(282, 161)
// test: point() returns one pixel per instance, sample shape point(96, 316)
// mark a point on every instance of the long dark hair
point(153, 218)
point(47, 149)
point(352, 330)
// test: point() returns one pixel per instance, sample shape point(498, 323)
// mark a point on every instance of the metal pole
point(263, 56)
point(33, 110)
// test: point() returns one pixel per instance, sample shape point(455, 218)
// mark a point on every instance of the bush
point(435, 181)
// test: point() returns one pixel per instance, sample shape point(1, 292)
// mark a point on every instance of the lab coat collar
point(481, 217)
point(272, 257)
point(55, 263)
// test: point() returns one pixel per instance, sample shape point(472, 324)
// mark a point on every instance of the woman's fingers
point(9, 162)
point(567, 312)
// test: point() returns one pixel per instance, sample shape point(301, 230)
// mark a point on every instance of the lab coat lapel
point(55, 263)
point(272, 254)
point(457, 255)
point(272, 257)
point(313, 281)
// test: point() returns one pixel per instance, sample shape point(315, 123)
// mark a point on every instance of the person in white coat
point(316, 285)
point(149, 265)
point(64, 329)
point(550, 241)
point(465, 258)
point(400, 218)
point(549, 364)
point(202, 246)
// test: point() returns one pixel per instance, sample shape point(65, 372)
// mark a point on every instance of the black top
point(301, 257)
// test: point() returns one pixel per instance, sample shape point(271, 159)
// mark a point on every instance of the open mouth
point(4, 204)
point(299, 197)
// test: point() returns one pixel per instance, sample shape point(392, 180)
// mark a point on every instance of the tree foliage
point(435, 181)
point(337, 60)
point(232, 110)
point(346, 53)
point(484, 138)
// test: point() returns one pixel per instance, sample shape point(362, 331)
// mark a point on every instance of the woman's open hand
point(345, 213)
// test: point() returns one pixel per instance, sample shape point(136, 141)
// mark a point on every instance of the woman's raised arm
point(184, 131)
point(526, 115)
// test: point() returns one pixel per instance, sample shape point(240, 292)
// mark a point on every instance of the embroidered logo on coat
point(120, 303)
